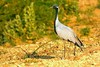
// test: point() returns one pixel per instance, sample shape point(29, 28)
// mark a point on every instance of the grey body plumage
point(65, 32)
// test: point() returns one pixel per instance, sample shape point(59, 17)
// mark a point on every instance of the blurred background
point(27, 36)
point(29, 21)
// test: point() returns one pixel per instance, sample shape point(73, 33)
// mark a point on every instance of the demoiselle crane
point(66, 32)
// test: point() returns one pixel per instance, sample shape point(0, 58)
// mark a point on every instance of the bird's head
point(55, 6)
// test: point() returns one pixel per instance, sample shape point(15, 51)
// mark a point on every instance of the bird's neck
point(56, 16)
point(56, 20)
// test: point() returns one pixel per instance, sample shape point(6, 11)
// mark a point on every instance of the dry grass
point(49, 55)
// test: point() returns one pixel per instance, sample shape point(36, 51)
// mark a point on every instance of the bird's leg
point(81, 49)
point(74, 50)
point(64, 50)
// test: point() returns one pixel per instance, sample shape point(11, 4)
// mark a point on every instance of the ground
point(49, 55)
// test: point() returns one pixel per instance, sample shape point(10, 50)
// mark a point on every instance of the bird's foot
point(62, 58)
point(74, 53)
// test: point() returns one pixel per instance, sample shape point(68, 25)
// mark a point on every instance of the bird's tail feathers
point(79, 43)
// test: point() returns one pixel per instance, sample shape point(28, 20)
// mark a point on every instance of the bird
point(65, 32)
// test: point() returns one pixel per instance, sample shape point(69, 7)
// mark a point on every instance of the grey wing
point(66, 33)
point(74, 38)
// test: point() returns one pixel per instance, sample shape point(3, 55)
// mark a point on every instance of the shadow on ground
point(35, 55)
point(43, 57)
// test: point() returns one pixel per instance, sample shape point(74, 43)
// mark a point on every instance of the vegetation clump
point(85, 31)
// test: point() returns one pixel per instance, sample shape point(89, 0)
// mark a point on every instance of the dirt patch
point(85, 4)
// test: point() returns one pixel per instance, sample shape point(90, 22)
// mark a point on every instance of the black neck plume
point(56, 16)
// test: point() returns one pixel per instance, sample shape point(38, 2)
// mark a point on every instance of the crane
point(65, 32)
